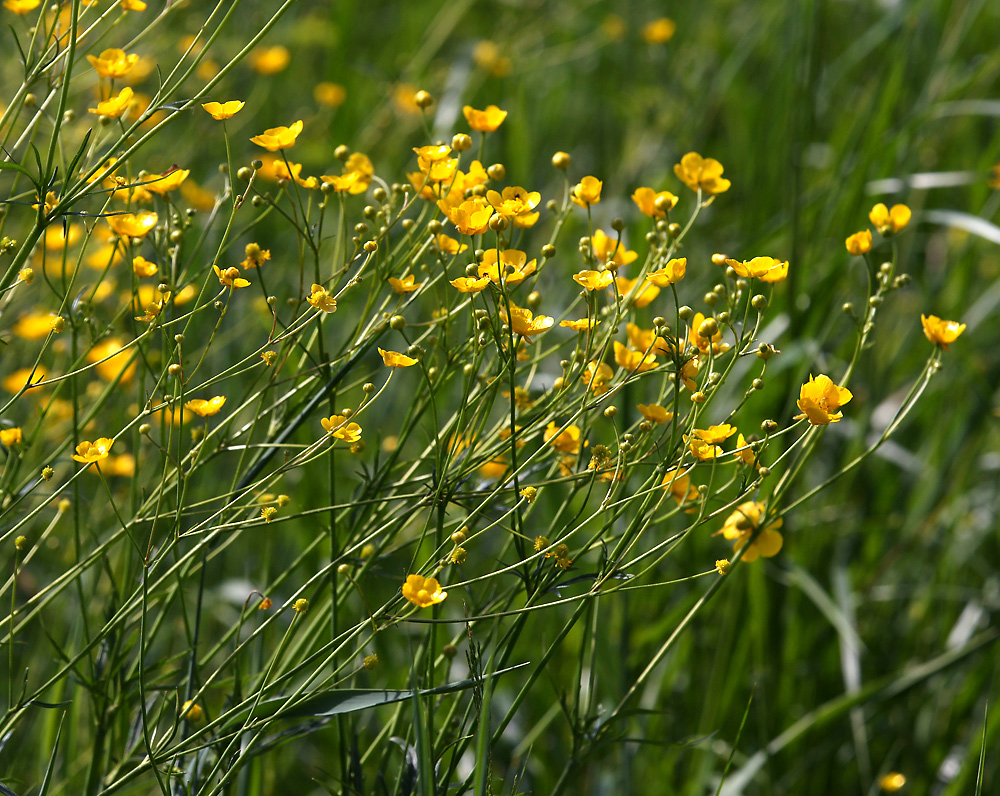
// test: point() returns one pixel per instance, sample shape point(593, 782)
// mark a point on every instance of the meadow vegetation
point(461, 397)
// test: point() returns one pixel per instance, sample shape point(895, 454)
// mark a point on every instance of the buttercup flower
point(393, 359)
point(89, 452)
point(566, 441)
point(423, 592)
point(276, 138)
point(513, 201)
point(820, 399)
point(740, 526)
point(581, 325)
point(162, 183)
point(655, 413)
point(632, 360)
point(254, 256)
point(338, 426)
point(143, 267)
point(859, 243)
point(766, 269)
point(230, 277)
point(204, 408)
point(471, 217)
point(134, 225)
point(715, 433)
point(524, 323)
point(670, 274)
point(609, 251)
point(223, 110)
point(679, 484)
point(270, 60)
point(653, 204)
point(469, 284)
point(321, 299)
point(587, 192)
point(449, 245)
point(598, 375)
point(405, 285)
point(705, 173)
point(889, 222)
point(939, 331)
point(594, 280)
point(332, 95)
point(485, 121)
point(510, 264)
point(21, 6)
point(11, 437)
point(703, 451)
point(643, 296)
point(113, 63)
point(115, 106)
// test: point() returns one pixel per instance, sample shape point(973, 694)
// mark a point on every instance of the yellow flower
point(703, 451)
point(472, 216)
point(744, 452)
point(321, 299)
point(132, 5)
point(204, 408)
point(524, 323)
point(740, 526)
point(190, 711)
point(449, 245)
point(699, 336)
point(113, 63)
point(485, 121)
point(407, 284)
point(679, 484)
point(270, 60)
point(33, 325)
point(21, 6)
point(513, 201)
point(598, 375)
point(653, 204)
point(116, 360)
point(338, 426)
point(587, 192)
point(722, 566)
point(892, 782)
point(670, 274)
point(10, 437)
point(393, 359)
point(115, 106)
point(714, 434)
point(610, 251)
point(469, 284)
point(659, 31)
point(705, 173)
point(820, 399)
point(423, 592)
point(332, 95)
point(300, 606)
point(509, 266)
point(859, 243)
point(581, 325)
point(766, 269)
point(291, 171)
point(487, 56)
point(633, 360)
point(276, 138)
point(134, 225)
point(168, 181)
point(19, 378)
point(889, 222)
point(529, 493)
point(939, 331)
point(655, 413)
point(643, 296)
point(565, 441)
point(89, 452)
point(254, 256)
point(594, 280)
point(223, 110)
point(143, 267)
point(230, 277)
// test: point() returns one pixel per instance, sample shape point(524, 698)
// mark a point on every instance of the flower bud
point(759, 303)
point(561, 160)
point(423, 99)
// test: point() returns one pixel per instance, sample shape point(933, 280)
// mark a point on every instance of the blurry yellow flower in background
point(223, 110)
point(820, 399)
point(939, 331)
point(255, 256)
point(113, 62)
point(484, 121)
point(21, 6)
point(276, 138)
point(643, 296)
point(330, 95)
point(13, 382)
point(587, 192)
point(423, 592)
point(449, 245)
point(487, 56)
point(11, 437)
point(206, 408)
point(610, 251)
point(88, 452)
point(740, 526)
point(659, 31)
point(115, 106)
point(655, 413)
point(859, 243)
point(115, 358)
point(889, 222)
point(597, 375)
point(705, 173)
point(270, 60)
point(407, 284)
point(132, 5)
point(679, 484)
point(653, 204)
point(338, 426)
point(566, 441)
